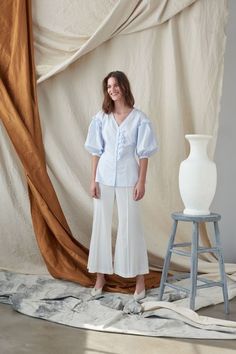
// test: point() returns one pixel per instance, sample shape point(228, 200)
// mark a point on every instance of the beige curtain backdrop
point(173, 54)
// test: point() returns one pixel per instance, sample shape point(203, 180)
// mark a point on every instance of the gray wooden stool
point(193, 254)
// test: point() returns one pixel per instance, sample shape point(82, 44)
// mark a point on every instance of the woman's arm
point(139, 188)
point(94, 186)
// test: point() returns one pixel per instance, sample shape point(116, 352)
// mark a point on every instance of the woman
point(118, 136)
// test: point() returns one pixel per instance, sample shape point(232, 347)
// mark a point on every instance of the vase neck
point(198, 148)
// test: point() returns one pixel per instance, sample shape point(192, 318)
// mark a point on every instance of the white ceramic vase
point(197, 177)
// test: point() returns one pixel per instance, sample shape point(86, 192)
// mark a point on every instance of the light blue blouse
point(119, 146)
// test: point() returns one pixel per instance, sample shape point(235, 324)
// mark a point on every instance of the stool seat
point(197, 218)
point(193, 254)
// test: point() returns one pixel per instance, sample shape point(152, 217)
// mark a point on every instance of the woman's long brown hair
point(123, 82)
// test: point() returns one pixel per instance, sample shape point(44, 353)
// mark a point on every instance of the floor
point(21, 334)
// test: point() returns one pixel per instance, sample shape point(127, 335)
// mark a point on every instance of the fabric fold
point(125, 17)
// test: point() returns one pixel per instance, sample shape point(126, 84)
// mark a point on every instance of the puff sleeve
point(94, 142)
point(146, 141)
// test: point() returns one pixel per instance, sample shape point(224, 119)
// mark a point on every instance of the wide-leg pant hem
point(119, 273)
point(131, 275)
point(100, 271)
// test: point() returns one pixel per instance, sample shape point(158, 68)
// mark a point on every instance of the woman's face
point(113, 89)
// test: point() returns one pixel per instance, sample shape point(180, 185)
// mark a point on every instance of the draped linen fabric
point(173, 54)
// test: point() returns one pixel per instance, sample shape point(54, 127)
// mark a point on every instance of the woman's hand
point(94, 190)
point(139, 191)
point(139, 188)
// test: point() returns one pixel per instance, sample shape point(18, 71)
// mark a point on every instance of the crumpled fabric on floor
point(71, 304)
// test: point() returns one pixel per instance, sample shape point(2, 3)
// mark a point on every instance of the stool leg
point(194, 264)
point(167, 260)
point(222, 267)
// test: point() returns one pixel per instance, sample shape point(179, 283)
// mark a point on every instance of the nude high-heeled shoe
point(96, 292)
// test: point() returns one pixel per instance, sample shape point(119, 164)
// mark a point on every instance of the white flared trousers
point(130, 258)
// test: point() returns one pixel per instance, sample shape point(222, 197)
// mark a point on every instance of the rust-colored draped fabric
point(64, 256)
